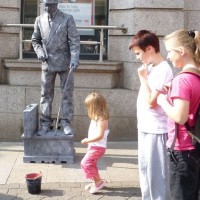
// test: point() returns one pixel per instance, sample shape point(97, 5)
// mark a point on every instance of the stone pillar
point(192, 17)
point(9, 37)
point(161, 17)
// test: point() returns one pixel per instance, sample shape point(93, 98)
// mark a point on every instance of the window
point(28, 15)
point(85, 13)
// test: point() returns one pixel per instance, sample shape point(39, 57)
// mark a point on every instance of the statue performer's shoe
point(43, 130)
point(68, 129)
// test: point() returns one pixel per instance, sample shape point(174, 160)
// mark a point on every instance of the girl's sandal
point(94, 189)
point(87, 187)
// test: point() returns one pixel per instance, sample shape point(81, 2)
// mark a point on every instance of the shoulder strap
point(191, 70)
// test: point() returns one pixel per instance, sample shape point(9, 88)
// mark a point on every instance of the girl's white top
point(91, 133)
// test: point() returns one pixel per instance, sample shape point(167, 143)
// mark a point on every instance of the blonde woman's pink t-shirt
point(187, 87)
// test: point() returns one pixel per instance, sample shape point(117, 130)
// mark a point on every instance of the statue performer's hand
point(42, 57)
point(73, 64)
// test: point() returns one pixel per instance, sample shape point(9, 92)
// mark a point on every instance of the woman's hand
point(161, 98)
point(167, 86)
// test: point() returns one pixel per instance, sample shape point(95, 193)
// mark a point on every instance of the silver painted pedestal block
point(30, 120)
point(50, 148)
point(53, 147)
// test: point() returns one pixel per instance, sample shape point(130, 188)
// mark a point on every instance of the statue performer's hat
point(49, 1)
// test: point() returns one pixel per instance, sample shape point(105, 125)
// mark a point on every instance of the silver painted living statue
point(57, 44)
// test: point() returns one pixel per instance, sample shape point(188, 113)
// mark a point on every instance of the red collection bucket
point(33, 181)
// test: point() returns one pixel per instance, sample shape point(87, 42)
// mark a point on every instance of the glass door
point(28, 15)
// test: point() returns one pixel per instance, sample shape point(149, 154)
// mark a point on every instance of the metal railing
point(100, 42)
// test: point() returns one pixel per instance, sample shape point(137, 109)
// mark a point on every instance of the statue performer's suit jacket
point(60, 43)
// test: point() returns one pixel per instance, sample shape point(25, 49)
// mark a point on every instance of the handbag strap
point(174, 139)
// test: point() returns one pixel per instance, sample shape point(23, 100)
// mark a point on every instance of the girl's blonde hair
point(97, 107)
point(189, 40)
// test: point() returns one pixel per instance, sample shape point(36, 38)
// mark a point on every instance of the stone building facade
point(116, 77)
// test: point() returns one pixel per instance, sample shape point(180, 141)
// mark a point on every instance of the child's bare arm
point(101, 126)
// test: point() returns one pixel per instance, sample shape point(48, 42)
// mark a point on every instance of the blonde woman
point(96, 140)
point(181, 105)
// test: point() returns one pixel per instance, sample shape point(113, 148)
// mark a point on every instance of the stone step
point(90, 74)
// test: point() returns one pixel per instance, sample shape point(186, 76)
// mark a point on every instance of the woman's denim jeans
point(184, 174)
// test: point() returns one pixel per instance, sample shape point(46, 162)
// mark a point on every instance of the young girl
point(96, 140)
point(180, 105)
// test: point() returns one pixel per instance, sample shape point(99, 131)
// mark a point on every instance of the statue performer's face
point(50, 8)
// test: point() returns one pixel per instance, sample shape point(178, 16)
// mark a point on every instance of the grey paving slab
point(8, 156)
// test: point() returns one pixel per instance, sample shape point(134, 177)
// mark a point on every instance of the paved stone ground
point(66, 181)
point(70, 191)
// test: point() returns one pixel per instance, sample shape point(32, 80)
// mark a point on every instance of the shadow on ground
point(122, 191)
point(52, 193)
point(8, 197)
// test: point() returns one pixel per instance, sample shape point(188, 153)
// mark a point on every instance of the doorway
point(85, 13)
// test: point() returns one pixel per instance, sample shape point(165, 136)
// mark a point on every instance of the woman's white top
point(91, 133)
